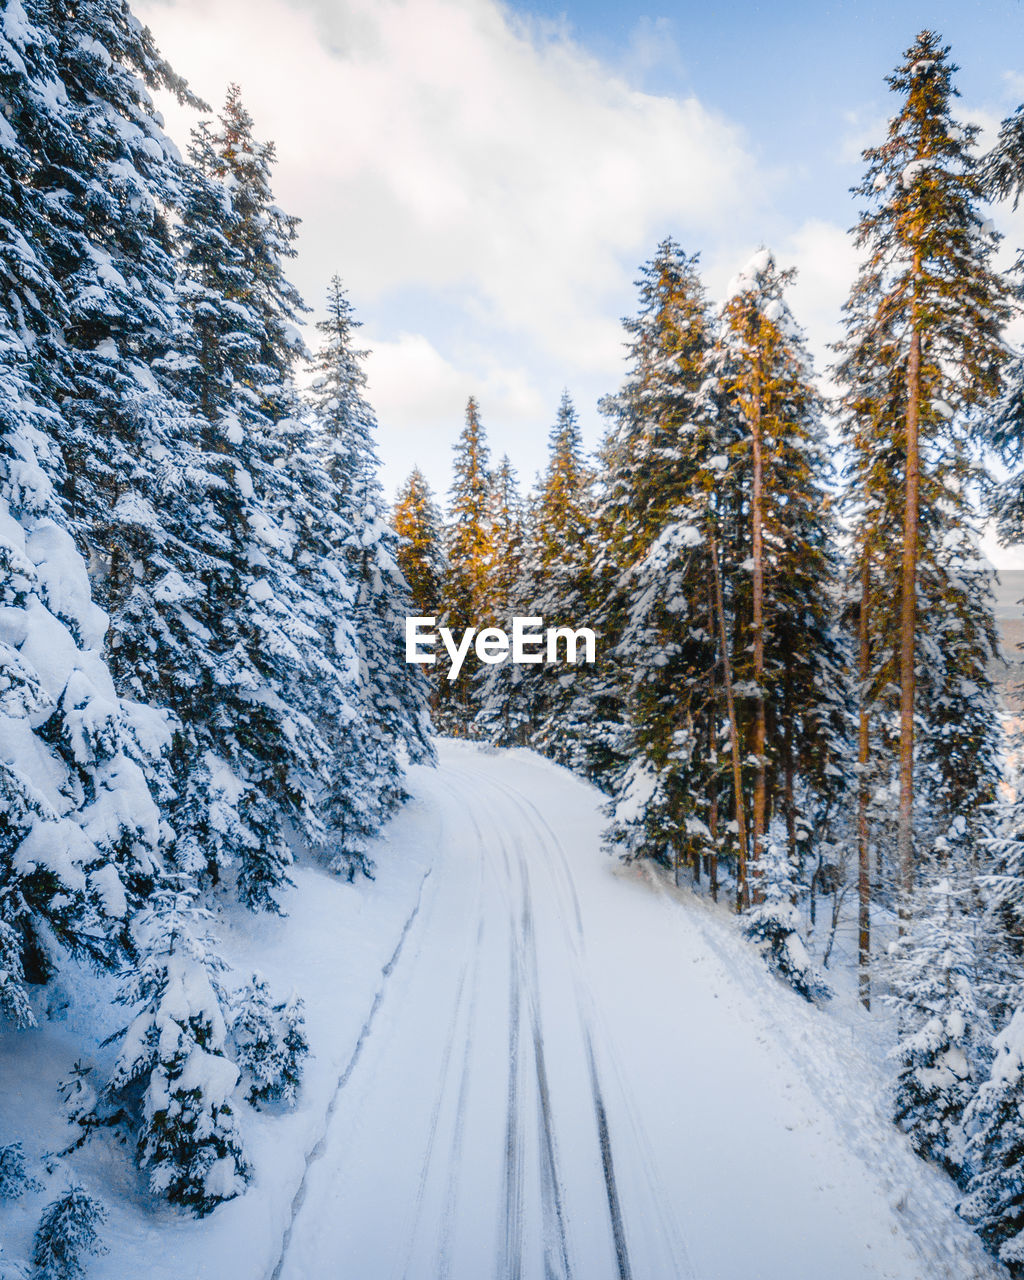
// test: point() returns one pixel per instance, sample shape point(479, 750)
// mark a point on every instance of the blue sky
point(487, 178)
point(803, 81)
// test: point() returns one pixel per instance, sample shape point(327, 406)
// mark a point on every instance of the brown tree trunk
point(863, 758)
point(789, 772)
point(908, 619)
point(713, 753)
point(757, 551)
point(742, 888)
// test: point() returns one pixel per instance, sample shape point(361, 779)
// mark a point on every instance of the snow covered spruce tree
point(173, 1075)
point(533, 702)
point(921, 355)
point(470, 539)
point(270, 1041)
point(496, 691)
point(470, 553)
point(938, 985)
point(663, 460)
point(81, 836)
point(108, 179)
point(727, 612)
point(1001, 887)
point(994, 1203)
point(421, 558)
point(261, 697)
point(136, 477)
point(774, 924)
point(1002, 174)
point(418, 524)
point(15, 1178)
point(507, 523)
point(68, 1233)
point(789, 661)
point(389, 719)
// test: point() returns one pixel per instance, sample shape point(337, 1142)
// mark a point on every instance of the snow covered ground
point(529, 1062)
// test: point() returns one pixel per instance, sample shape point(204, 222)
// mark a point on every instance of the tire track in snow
point(524, 984)
point(528, 943)
point(604, 1138)
point(444, 1248)
point(608, 1165)
point(551, 1189)
point(319, 1147)
point(471, 957)
point(542, 828)
point(590, 1017)
point(512, 1252)
point(435, 1116)
point(510, 1243)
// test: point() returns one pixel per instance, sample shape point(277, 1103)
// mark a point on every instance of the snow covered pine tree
point(69, 1231)
point(172, 1068)
point(388, 722)
point(922, 350)
point(421, 556)
point(470, 553)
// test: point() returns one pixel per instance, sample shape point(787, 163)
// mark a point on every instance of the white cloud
point(420, 398)
point(484, 186)
point(863, 129)
point(438, 144)
point(826, 262)
point(1013, 86)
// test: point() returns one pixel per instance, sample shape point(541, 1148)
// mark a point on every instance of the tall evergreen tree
point(788, 656)
point(507, 521)
point(470, 525)
point(418, 524)
point(81, 837)
point(263, 760)
point(558, 572)
point(390, 720)
point(646, 464)
point(81, 842)
point(539, 702)
point(728, 612)
point(136, 478)
point(1003, 178)
point(470, 552)
point(921, 352)
point(663, 458)
point(421, 558)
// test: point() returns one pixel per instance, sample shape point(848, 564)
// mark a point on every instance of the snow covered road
point(568, 1073)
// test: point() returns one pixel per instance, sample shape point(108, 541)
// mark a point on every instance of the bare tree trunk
point(863, 759)
point(908, 619)
point(757, 552)
point(742, 887)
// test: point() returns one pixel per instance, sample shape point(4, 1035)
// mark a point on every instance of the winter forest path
point(566, 1075)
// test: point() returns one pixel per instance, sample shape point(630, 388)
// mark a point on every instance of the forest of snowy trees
point(203, 591)
point(199, 594)
point(793, 696)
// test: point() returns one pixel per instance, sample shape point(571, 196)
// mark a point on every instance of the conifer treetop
point(928, 248)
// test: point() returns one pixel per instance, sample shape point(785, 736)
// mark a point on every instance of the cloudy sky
point(486, 178)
